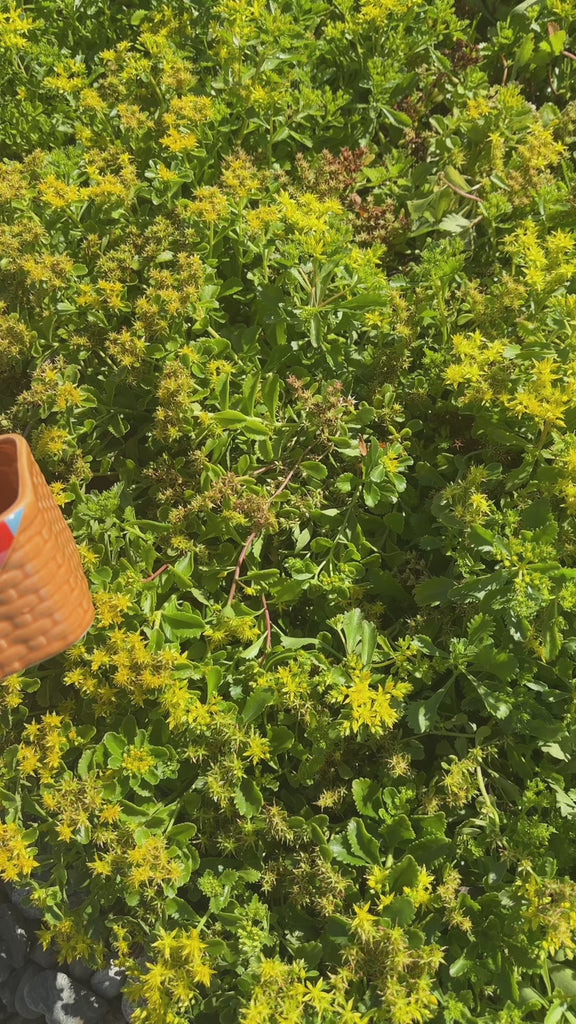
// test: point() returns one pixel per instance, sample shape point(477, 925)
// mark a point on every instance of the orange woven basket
point(45, 603)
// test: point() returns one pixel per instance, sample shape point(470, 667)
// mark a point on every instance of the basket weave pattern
point(45, 603)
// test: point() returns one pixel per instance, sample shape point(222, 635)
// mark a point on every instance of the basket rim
point(23, 454)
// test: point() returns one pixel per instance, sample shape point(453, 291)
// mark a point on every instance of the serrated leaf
point(361, 842)
point(114, 742)
point(399, 830)
point(404, 874)
point(366, 793)
point(430, 850)
point(248, 798)
point(340, 849)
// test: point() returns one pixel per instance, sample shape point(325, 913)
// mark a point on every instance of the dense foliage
point(289, 315)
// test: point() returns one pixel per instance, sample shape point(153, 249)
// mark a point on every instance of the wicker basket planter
point(45, 603)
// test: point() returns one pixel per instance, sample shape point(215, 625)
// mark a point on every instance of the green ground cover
point(289, 312)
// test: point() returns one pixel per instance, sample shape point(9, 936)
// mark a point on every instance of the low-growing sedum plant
point(288, 314)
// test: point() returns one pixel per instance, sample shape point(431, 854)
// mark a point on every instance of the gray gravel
point(43, 957)
point(109, 982)
point(34, 987)
point(79, 971)
point(63, 999)
point(13, 935)
point(20, 1001)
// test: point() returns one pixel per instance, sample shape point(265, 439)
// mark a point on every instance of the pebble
point(6, 965)
point(63, 1000)
point(8, 988)
point(44, 957)
point(13, 935)
point(22, 1008)
point(19, 897)
point(109, 982)
point(79, 971)
point(128, 1008)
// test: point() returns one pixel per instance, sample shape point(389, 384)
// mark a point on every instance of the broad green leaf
point(395, 832)
point(183, 624)
point(361, 842)
point(433, 591)
point(248, 798)
point(115, 743)
point(366, 793)
point(403, 874)
point(257, 701)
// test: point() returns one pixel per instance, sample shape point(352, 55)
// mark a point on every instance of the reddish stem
point(461, 192)
point(268, 623)
point(157, 573)
point(238, 568)
point(254, 534)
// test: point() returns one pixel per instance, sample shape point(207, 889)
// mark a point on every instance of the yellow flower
point(477, 107)
point(258, 749)
point(57, 193)
point(51, 441)
point(14, 27)
point(16, 860)
point(240, 176)
point(137, 760)
point(65, 833)
point(362, 923)
point(28, 759)
point(379, 11)
point(421, 893)
point(59, 491)
point(110, 607)
point(178, 141)
point(111, 813)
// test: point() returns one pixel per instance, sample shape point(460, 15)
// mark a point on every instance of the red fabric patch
point(6, 538)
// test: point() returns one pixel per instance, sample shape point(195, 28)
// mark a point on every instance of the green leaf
point(114, 742)
point(366, 793)
point(433, 591)
point(371, 494)
point(249, 425)
point(430, 850)
point(281, 738)
point(257, 701)
point(401, 911)
point(421, 715)
point(361, 842)
point(317, 470)
point(460, 967)
point(352, 627)
point(248, 798)
point(369, 639)
point(182, 832)
point(525, 50)
point(404, 874)
point(564, 979)
point(84, 762)
point(182, 625)
point(270, 390)
point(455, 178)
point(340, 850)
point(399, 830)
point(496, 662)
